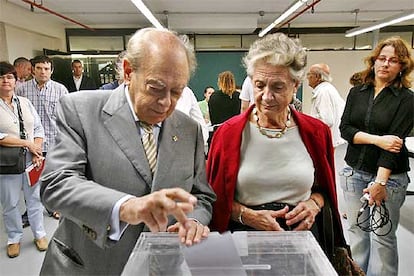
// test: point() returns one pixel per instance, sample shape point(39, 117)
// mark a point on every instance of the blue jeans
point(10, 188)
point(377, 255)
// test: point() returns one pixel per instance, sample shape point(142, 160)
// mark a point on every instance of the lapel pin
point(175, 138)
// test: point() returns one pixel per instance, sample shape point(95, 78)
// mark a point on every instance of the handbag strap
point(19, 112)
point(328, 229)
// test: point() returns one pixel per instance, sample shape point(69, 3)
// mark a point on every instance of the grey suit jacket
point(98, 158)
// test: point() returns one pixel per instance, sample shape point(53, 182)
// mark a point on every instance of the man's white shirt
point(328, 106)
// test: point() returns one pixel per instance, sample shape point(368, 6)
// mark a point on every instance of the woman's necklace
point(268, 132)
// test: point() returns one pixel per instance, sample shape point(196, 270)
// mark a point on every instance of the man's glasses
point(391, 61)
point(7, 77)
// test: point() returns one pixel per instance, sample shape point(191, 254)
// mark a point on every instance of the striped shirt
point(45, 101)
point(20, 82)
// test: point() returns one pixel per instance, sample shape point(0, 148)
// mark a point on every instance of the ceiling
point(218, 16)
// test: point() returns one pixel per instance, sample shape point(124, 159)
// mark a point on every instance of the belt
point(274, 206)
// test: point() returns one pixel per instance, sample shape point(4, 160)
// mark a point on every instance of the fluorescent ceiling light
point(148, 14)
point(283, 16)
point(381, 23)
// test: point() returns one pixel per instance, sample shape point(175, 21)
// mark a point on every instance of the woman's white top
point(273, 169)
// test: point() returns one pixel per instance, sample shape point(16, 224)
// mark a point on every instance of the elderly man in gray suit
point(101, 175)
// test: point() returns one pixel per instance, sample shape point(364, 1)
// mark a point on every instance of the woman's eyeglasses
point(391, 61)
point(7, 77)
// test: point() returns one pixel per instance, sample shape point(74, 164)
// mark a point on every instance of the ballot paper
point(216, 255)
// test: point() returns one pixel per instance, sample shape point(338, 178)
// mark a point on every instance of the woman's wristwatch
point(381, 182)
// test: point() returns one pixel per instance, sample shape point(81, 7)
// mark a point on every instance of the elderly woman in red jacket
point(272, 167)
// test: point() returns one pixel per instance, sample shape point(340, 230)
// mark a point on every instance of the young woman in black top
point(378, 116)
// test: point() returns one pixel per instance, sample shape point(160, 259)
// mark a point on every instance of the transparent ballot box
point(255, 253)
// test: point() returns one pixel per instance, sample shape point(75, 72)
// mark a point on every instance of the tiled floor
point(29, 261)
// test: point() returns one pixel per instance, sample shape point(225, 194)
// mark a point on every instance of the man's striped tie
point(149, 145)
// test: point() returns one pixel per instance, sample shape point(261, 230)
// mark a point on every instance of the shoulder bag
point(13, 159)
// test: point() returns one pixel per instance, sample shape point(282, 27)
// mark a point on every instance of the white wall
point(25, 43)
point(4, 54)
point(27, 33)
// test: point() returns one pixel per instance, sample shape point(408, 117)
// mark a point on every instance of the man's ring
point(307, 222)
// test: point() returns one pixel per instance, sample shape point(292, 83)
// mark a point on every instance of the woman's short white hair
point(137, 44)
point(277, 49)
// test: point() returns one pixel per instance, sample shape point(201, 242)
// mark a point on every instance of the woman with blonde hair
point(225, 102)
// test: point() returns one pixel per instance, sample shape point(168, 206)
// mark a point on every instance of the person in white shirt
point(188, 104)
point(327, 104)
point(246, 94)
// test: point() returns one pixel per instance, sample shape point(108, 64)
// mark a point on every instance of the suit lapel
point(72, 84)
point(121, 125)
point(82, 84)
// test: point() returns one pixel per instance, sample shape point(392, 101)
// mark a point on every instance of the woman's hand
point(264, 219)
point(37, 161)
point(35, 149)
point(389, 143)
point(304, 214)
point(377, 193)
point(192, 232)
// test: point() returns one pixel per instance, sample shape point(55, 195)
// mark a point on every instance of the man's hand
point(154, 208)
point(191, 232)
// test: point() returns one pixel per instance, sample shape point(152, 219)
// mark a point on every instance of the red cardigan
point(224, 158)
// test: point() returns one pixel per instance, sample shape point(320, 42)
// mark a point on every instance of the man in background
point(119, 73)
point(78, 80)
point(24, 70)
point(327, 104)
point(44, 93)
